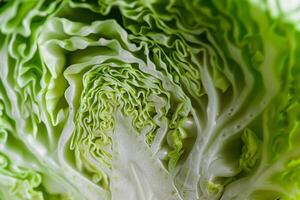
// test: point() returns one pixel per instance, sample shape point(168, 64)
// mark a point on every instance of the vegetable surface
point(149, 100)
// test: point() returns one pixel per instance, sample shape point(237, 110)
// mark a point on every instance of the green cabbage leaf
point(149, 100)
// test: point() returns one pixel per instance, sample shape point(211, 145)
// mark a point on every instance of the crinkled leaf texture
point(149, 100)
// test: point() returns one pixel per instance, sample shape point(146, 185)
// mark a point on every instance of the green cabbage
point(149, 99)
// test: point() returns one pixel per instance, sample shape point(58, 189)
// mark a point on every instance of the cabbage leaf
point(164, 100)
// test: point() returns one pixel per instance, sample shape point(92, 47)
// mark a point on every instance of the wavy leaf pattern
point(149, 100)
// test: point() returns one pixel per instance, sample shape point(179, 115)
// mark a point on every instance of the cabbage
point(162, 100)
